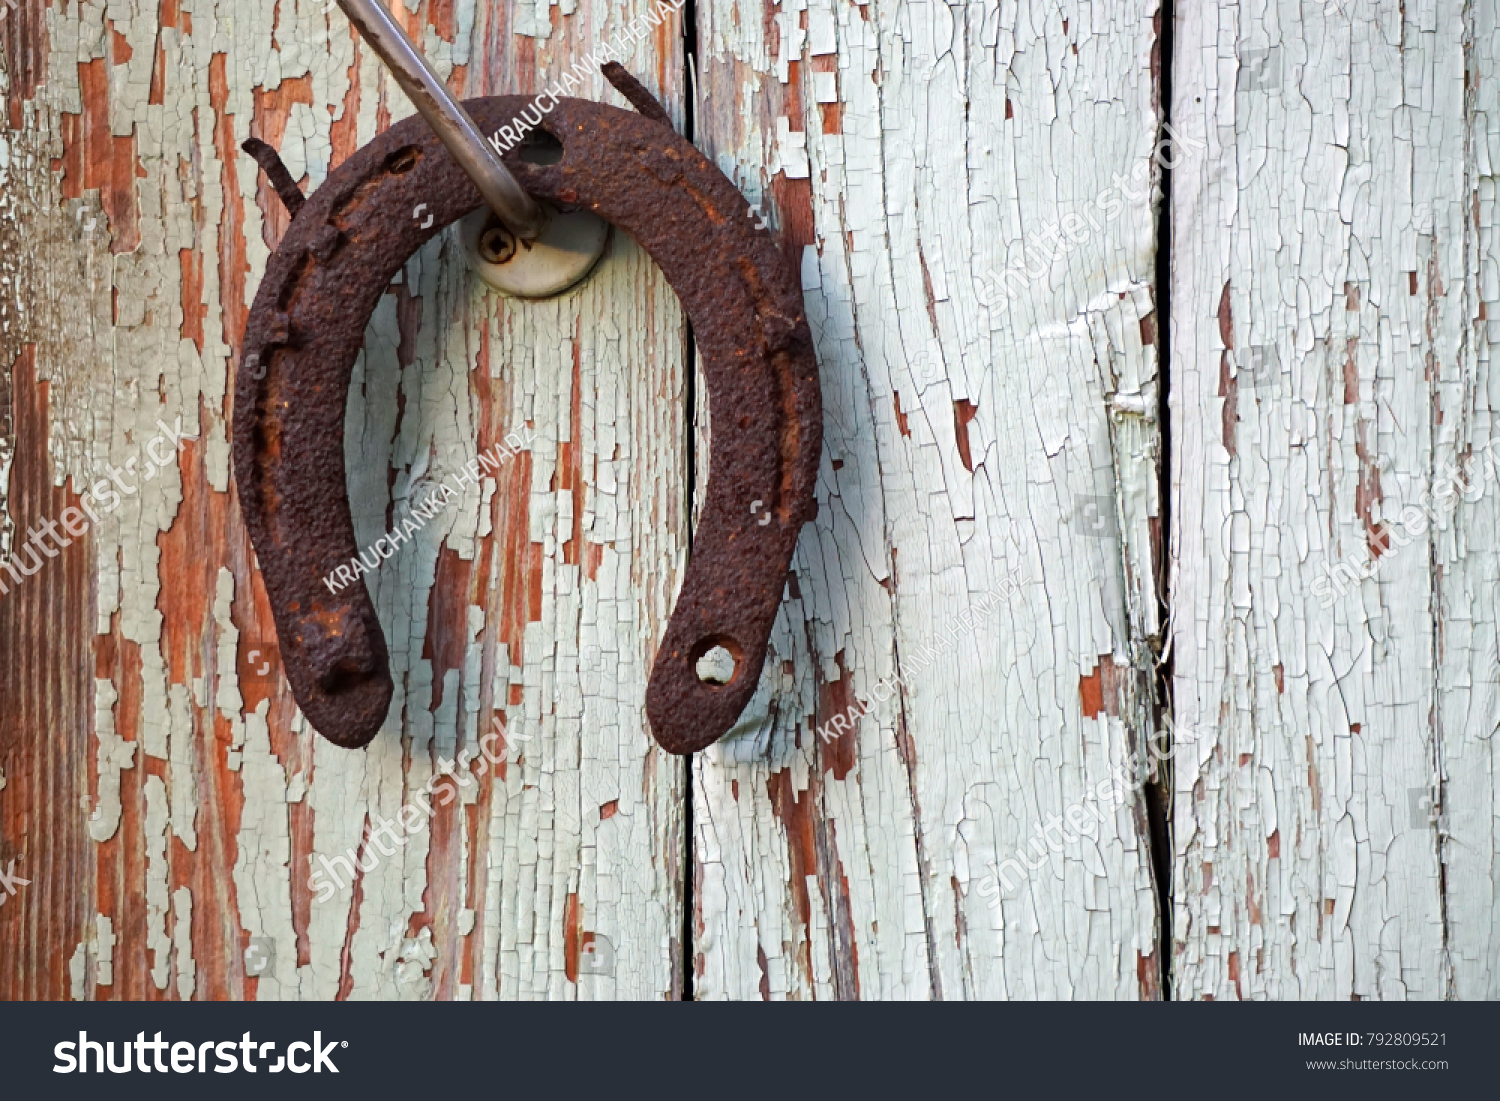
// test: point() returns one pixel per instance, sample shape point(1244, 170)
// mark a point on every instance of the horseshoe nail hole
point(340, 681)
point(714, 662)
point(540, 147)
point(403, 160)
point(348, 673)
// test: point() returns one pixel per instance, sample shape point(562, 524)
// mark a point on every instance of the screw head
point(496, 245)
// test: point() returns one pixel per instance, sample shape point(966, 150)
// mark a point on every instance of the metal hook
point(447, 117)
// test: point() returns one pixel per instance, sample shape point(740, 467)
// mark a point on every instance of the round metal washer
point(555, 262)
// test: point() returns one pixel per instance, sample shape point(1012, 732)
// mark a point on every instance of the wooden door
point(1052, 709)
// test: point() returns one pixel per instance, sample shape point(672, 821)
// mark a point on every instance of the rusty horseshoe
point(345, 244)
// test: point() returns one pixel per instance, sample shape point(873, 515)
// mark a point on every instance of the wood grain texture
point(1333, 272)
point(904, 151)
point(968, 191)
point(159, 783)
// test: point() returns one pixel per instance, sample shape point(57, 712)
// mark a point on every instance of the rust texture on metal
point(637, 93)
point(321, 286)
point(270, 163)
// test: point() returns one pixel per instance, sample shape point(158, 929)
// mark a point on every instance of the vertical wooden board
point(1330, 361)
point(1462, 804)
point(977, 428)
point(201, 803)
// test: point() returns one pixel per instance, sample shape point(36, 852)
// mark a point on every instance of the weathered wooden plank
point(907, 151)
point(1466, 796)
point(1331, 278)
point(166, 738)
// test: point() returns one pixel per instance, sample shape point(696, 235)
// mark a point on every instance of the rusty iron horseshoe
point(348, 240)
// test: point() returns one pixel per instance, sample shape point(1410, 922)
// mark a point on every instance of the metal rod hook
point(447, 117)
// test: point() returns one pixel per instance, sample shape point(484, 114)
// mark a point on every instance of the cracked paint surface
point(1332, 824)
point(907, 148)
point(1334, 267)
point(132, 232)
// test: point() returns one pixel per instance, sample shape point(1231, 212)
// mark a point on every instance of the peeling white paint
point(124, 358)
point(182, 943)
point(77, 968)
point(1330, 276)
point(158, 939)
point(957, 138)
point(115, 754)
point(104, 946)
point(937, 142)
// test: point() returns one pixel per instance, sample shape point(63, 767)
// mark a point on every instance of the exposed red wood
point(795, 812)
point(900, 416)
point(1229, 390)
point(120, 51)
point(476, 819)
point(794, 201)
point(572, 936)
point(194, 309)
point(72, 161)
point(837, 752)
point(569, 476)
point(1351, 371)
point(963, 413)
point(186, 605)
point(95, 159)
point(1226, 319)
point(122, 858)
point(534, 565)
point(443, 895)
point(812, 850)
point(440, 16)
point(24, 39)
point(343, 134)
point(1252, 897)
point(273, 107)
point(447, 638)
point(46, 723)
point(1100, 690)
point(1148, 976)
point(383, 113)
point(234, 268)
point(356, 908)
point(832, 113)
